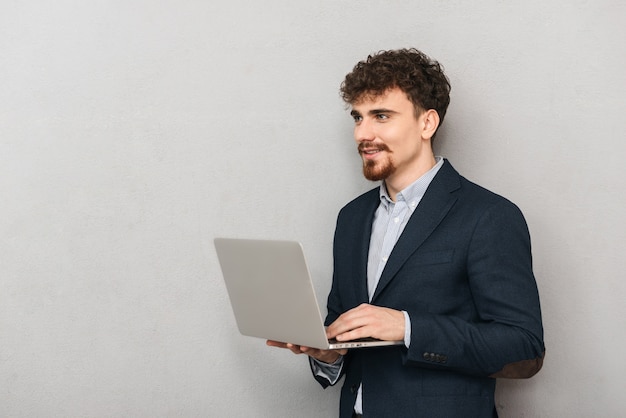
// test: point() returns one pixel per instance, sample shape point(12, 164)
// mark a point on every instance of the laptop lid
point(272, 295)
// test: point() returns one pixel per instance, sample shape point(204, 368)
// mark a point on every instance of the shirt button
point(396, 220)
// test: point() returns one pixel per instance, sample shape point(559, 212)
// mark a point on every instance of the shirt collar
point(414, 192)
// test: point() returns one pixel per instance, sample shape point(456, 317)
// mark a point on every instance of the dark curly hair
point(413, 72)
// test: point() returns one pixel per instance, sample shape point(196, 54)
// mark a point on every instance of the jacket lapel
point(363, 223)
point(359, 231)
point(433, 208)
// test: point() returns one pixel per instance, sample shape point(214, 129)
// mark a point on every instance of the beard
point(377, 170)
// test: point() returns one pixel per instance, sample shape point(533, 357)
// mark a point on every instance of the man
point(429, 258)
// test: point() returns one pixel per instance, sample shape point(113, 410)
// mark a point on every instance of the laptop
point(272, 295)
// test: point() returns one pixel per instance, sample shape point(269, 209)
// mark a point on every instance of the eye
point(382, 116)
point(357, 118)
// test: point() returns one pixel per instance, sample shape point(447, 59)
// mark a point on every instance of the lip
point(370, 153)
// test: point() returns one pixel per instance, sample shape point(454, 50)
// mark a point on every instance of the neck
point(400, 181)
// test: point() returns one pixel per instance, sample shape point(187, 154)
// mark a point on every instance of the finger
point(292, 347)
point(354, 334)
point(351, 320)
point(278, 344)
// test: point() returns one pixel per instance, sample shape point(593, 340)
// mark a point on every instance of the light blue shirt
point(389, 221)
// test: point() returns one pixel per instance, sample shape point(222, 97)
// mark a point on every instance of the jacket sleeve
point(505, 339)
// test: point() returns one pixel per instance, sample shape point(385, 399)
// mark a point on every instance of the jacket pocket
point(432, 257)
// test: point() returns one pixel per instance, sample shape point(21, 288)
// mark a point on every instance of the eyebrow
point(373, 112)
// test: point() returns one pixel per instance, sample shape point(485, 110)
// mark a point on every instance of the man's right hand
point(326, 356)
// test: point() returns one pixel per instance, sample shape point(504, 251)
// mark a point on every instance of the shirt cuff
point(407, 329)
point(329, 371)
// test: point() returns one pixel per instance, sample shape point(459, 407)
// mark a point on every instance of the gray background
point(133, 132)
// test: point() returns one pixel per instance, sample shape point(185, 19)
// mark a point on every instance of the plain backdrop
point(134, 132)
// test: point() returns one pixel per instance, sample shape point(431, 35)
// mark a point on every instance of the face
point(391, 139)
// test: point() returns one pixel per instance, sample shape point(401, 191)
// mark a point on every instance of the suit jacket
point(462, 269)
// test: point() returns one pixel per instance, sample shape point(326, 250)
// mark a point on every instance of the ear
point(430, 120)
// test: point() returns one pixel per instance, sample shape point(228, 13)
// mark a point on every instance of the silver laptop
point(272, 295)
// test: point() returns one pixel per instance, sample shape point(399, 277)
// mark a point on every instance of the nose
point(363, 131)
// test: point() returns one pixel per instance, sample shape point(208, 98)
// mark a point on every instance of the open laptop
point(272, 295)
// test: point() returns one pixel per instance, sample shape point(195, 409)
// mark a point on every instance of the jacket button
point(426, 356)
point(354, 389)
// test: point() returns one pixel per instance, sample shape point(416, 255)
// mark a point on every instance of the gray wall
point(133, 132)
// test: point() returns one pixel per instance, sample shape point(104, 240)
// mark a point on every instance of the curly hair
point(413, 72)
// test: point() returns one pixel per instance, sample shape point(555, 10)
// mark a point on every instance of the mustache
point(362, 147)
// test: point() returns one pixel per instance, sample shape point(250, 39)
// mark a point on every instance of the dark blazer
point(462, 269)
